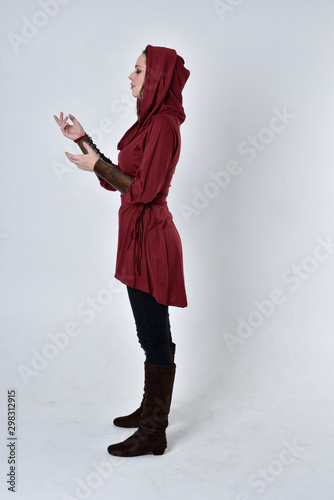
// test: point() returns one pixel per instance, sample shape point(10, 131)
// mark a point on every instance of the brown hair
point(141, 93)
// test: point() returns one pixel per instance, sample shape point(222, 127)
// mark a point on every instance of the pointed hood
point(165, 79)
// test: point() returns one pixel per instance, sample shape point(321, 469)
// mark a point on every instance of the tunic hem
point(145, 289)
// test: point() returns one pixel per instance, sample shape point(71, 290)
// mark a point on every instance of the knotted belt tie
point(137, 232)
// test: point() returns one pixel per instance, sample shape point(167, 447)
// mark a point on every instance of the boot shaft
point(159, 382)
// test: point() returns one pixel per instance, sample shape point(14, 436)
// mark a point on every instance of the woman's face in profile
point(138, 76)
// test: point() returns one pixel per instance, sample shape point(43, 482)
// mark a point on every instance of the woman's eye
point(138, 72)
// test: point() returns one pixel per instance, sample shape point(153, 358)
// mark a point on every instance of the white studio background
point(252, 200)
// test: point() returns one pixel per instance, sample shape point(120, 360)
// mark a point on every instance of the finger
point(56, 118)
point(74, 120)
point(64, 124)
point(74, 158)
point(87, 147)
point(70, 157)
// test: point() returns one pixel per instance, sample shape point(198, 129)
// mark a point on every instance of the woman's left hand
point(86, 161)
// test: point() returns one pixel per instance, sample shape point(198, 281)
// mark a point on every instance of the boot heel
point(158, 452)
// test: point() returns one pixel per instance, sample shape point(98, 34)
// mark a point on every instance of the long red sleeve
point(160, 145)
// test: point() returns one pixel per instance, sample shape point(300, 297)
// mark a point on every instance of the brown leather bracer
point(105, 169)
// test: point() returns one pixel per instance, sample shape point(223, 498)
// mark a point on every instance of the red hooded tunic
point(149, 253)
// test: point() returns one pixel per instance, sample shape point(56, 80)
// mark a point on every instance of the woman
point(149, 254)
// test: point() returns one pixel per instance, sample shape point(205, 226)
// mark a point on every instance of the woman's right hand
point(70, 131)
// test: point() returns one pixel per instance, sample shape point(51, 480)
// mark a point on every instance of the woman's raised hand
point(70, 131)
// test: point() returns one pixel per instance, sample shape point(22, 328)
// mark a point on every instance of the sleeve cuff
point(80, 138)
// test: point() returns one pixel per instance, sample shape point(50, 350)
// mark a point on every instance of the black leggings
point(153, 327)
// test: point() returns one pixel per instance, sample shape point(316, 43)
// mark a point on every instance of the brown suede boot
point(151, 434)
point(133, 419)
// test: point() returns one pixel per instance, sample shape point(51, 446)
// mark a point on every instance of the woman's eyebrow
point(138, 66)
